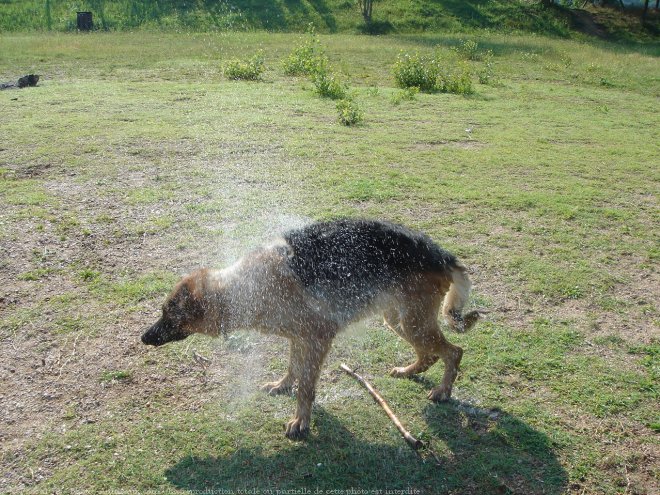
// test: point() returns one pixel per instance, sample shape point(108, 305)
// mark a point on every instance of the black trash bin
point(85, 22)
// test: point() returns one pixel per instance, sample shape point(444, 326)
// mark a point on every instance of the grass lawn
point(135, 161)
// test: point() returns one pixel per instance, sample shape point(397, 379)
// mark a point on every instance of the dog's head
point(185, 312)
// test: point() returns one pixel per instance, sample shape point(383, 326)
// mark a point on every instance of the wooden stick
point(412, 441)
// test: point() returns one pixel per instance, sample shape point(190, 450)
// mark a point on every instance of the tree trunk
point(49, 17)
point(646, 9)
point(366, 6)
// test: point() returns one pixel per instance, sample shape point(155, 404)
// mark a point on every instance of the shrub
point(468, 49)
point(349, 112)
point(426, 74)
point(416, 71)
point(409, 94)
point(373, 91)
point(249, 70)
point(306, 58)
point(458, 82)
point(328, 86)
point(486, 72)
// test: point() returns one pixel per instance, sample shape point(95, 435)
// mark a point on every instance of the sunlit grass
point(135, 160)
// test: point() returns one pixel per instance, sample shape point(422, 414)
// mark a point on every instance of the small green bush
point(306, 58)
point(349, 112)
point(486, 73)
point(458, 81)
point(328, 86)
point(416, 71)
point(468, 50)
point(250, 70)
point(408, 94)
point(426, 74)
point(373, 91)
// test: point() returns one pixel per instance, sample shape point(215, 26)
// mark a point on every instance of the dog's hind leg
point(451, 356)
point(424, 337)
point(286, 383)
point(392, 319)
point(313, 354)
point(419, 326)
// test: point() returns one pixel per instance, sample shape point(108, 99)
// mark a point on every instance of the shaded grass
point(243, 460)
point(279, 15)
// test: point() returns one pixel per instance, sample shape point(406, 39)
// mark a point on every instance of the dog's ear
point(190, 296)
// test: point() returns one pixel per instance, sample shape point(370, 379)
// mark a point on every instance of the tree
point(366, 6)
point(49, 17)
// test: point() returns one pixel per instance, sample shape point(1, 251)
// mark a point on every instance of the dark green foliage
point(327, 15)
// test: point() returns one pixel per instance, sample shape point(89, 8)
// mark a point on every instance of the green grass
point(278, 15)
point(135, 160)
point(115, 375)
point(328, 16)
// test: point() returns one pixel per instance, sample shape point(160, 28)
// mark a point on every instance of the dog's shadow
point(479, 451)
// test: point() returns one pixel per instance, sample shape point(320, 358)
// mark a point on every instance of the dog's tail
point(455, 299)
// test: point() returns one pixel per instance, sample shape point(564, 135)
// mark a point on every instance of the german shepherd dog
point(315, 281)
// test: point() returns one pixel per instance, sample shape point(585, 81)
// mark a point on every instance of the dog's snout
point(153, 336)
point(147, 339)
point(161, 333)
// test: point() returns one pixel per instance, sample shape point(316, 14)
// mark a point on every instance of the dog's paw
point(439, 394)
point(400, 372)
point(296, 429)
point(276, 388)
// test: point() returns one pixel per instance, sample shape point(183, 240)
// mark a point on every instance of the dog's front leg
point(285, 384)
point(313, 354)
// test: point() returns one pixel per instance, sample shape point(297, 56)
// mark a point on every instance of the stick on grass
point(412, 441)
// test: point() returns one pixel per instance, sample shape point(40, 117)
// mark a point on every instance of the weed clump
point(248, 70)
point(427, 74)
point(406, 94)
point(115, 375)
point(486, 73)
point(468, 50)
point(328, 85)
point(349, 112)
point(458, 81)
point(417, 71)
point(307, 58)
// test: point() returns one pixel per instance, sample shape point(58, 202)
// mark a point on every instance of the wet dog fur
point(313, 283)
